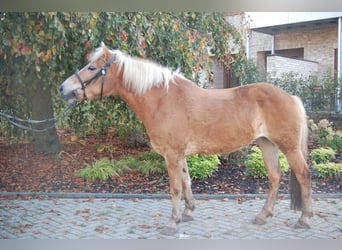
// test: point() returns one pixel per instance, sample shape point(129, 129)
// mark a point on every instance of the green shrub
point(132, 136)
point(148, 163)
point(127, 162)
point(102, 170)
point(322, 155)
point(237, 157)
point(335, 142)
point(325, 135)
point(151, 162)
point(328, 170)
point(202, 166)
point(256, 167)
point(317, 93)
point(152, 167)
point(321, 163)
point(150, 155)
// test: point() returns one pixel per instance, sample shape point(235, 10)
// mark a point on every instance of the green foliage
point(318, 94)
point(236, 158)
point(30, 55)
point(148, 163)
point(328, 169)
point(322, 155)
point(202, 166)
point(291, 82)
point(256, 167)
point(252, 73)
point(99, 115)
point(129, 163)
point(49, 46)
point(335, 142)
point(150, 156)
point(321, 163)
point(325, 136)
point(102, 170)
point(151, 163)
point(132, 136)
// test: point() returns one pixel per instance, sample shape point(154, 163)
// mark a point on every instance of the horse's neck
point(147, 104)
point(143, 105)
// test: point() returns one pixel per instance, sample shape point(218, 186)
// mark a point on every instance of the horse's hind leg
point(189, 200)
point(270, 154)
point(300, 187)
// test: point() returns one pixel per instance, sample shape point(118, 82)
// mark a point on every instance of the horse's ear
point(104, 48)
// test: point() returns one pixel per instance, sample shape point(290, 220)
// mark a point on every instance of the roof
point(298, 26)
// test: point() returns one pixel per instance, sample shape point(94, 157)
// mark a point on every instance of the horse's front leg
point(174, 168)
point(189, 200)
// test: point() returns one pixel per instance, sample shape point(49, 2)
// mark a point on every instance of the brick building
point(305, 43)
point(313, 39)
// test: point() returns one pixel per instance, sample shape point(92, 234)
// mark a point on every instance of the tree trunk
point(47, 141)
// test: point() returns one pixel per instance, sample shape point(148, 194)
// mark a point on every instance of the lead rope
point(15, 120)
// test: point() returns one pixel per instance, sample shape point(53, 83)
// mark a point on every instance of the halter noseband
point(102, 71)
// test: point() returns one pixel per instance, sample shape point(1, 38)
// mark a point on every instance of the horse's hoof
point(169, 231)
point(258, 221)
point(186, 218)
point(301, 224)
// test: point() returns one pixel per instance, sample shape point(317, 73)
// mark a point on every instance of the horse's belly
point(212, 147)
point(203, 140)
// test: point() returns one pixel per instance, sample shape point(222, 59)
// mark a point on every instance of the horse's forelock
point(96, 54)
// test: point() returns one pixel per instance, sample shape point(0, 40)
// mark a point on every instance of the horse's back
point(282, 115)
point(273, 100)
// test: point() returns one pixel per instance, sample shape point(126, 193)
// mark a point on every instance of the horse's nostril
point(61, 89)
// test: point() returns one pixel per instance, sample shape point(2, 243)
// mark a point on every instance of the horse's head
point(93, 80)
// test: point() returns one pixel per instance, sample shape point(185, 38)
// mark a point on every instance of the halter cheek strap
point(83, 86)
point(102, 72)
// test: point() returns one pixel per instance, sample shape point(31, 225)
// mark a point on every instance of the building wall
point(318, 45)
point(260, 42)
point(277, 65)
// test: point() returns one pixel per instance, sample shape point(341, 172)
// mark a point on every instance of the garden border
point(151, 196)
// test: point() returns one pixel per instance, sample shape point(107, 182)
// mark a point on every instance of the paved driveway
point(141, 218)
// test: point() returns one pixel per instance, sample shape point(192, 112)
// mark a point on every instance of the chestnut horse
point(183, 119)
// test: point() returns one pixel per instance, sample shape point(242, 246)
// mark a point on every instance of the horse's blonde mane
point(139, 75)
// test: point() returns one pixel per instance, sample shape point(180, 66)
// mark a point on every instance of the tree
point(177, 40)
point(30, 45)
point(38, 50)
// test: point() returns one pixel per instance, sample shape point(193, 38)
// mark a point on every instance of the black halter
point(102, 72)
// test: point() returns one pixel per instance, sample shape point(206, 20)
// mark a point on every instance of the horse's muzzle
point(69, 96)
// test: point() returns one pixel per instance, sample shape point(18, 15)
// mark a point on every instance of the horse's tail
point(295, 189)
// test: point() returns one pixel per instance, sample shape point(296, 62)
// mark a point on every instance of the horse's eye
point(91, 68)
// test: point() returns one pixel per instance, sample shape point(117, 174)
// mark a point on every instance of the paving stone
point(141, 219)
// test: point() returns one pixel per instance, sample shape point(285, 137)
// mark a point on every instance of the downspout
point(248, 45)
point(339, 64)
point(273, 44)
